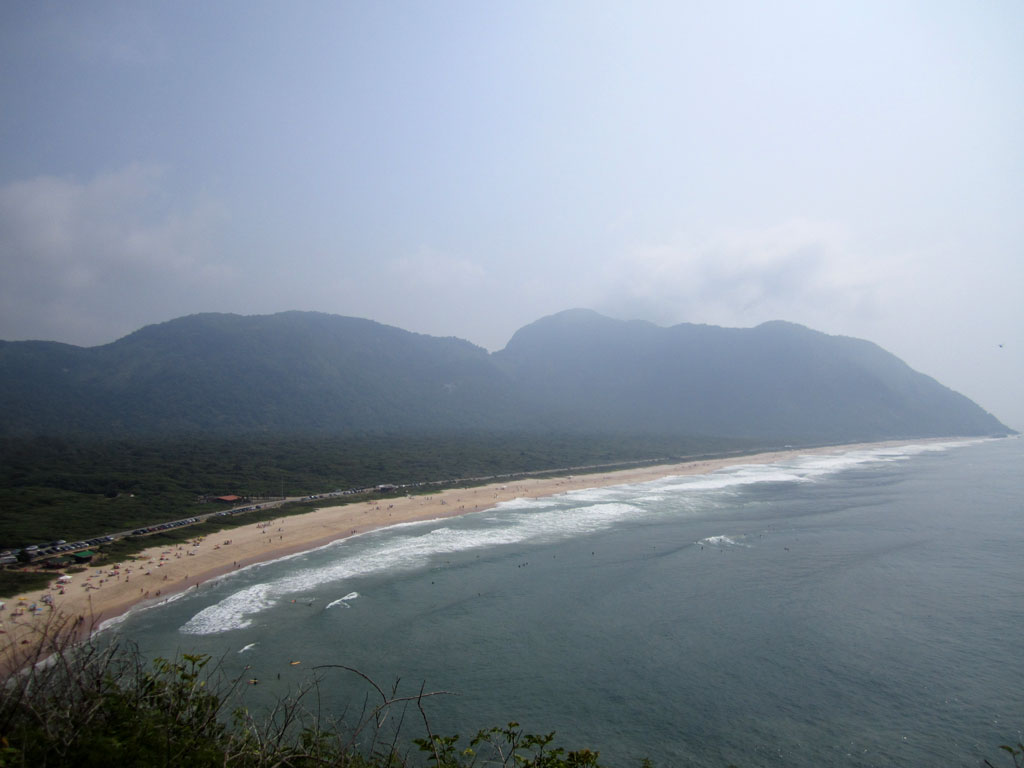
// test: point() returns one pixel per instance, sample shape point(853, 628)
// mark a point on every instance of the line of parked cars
point(164, 526)
point(36, 551)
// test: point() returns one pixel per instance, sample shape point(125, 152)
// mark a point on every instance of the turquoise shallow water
point(861, 609)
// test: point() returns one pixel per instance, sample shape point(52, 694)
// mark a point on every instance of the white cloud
point(87, 261)
point(801, 270)
point(941, 312)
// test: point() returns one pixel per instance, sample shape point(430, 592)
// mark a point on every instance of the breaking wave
point(567, 515)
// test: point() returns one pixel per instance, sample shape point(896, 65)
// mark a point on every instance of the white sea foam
point(573, 514)
point(736, 477)
point(801, 469)
point(525, 504)
point(589, 495)
point(722, 541)
point(402, 553)
point(342, 600)
point(230, 613)
point(114, 621)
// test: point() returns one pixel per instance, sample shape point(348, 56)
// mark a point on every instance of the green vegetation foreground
point(96, 704)
point(100, 704)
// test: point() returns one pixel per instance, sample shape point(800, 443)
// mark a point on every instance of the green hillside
point(301, 373)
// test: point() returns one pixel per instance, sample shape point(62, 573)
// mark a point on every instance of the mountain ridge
point(577, 370)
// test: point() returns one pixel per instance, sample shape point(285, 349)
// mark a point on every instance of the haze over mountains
point(576, 371)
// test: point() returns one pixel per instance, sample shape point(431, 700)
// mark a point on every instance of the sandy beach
point(106, 590)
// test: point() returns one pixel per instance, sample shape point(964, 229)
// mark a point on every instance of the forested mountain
point(577, 371)
point(295, 372)
point(778, 380)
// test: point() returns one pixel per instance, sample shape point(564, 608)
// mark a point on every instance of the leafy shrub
point(90, 704)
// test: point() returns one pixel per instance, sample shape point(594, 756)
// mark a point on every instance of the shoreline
point(106, 592)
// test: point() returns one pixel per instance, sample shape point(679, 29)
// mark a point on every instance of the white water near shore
point(857, 607)
point(592, 510)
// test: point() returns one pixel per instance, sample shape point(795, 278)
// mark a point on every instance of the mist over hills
point(576, 371)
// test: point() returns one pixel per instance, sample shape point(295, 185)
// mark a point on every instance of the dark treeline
point(67, 488)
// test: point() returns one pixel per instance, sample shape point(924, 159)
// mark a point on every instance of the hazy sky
point(464, 168)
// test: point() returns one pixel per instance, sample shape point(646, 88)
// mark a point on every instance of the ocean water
point(859, 609)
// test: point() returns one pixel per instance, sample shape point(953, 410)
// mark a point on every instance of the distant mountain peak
point(577, 370)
